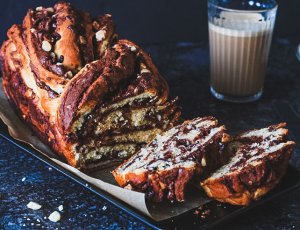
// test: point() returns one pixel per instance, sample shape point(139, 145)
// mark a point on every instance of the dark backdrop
point(152, 21)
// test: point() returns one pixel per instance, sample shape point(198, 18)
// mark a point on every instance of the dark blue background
point(155, 21)
point(152, 21)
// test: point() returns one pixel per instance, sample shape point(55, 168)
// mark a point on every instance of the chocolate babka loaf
point(93, 98)
point(165, 166)
point(260, 159)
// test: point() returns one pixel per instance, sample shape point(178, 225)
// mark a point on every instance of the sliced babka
point(165, 166)
point(259, 160)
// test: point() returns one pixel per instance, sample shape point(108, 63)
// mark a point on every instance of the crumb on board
point(202, 212)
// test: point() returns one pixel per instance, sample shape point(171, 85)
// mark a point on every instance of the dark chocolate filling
point(43, 28)
point(44, 25)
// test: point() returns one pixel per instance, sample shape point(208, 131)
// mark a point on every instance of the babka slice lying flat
point(164, 167)
point(93, 98)
point(260, 159)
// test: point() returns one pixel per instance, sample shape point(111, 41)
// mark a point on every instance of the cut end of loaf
point(164, 167)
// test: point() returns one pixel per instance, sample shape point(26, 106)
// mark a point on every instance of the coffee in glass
point(240, 34)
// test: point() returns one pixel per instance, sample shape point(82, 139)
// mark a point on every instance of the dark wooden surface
point(185, 66)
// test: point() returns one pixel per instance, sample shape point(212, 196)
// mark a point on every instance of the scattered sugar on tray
point(104, 208)
point(23, 179)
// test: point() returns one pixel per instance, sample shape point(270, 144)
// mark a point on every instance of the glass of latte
point(240, 34)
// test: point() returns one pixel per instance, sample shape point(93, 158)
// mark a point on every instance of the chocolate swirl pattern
point(166, 166)
point(259, 160)
point(93, 98)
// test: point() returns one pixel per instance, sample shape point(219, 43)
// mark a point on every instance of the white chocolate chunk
point(100, 35)
point(69, 74)
point(132, 48)
point(145, 71)
point(203, 162)
point(33, 205)
point(54, 216)
point(46, 46)
point(50, 9)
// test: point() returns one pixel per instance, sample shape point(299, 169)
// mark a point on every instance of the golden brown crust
point(57, 68)
point(90, 86)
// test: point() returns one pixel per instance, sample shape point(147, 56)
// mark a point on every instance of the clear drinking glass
point(240, 34)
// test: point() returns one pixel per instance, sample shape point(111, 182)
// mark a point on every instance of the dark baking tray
point(217, 213)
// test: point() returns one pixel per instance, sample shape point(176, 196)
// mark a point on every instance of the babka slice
point(94, 99)
point(165, 166)
point(260, 159)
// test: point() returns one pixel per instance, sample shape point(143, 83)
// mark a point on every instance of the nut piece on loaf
point(164, 167)
point(93, 98)
point(260, 159)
